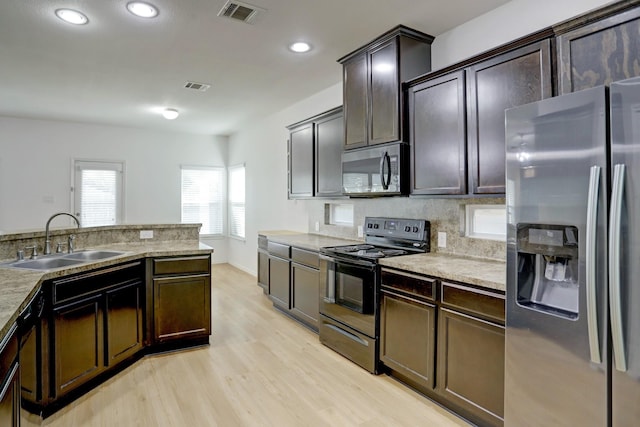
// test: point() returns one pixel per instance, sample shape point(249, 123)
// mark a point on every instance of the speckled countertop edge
point(18, 286)
point(474, 271)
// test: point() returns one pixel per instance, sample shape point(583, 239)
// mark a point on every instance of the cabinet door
point(124, 322)
point(600, 53)
point(509, 80)
point(78, 343)
point(301, 161)
point(305, 304)
point(355, 101)
point(329, 146)
point(438, 136)
point(279, 270)
point(30, 372)
point(10, 398)
point(407, 338)
point(182, 307)
point(471, 366)
point(263, 270)
point(384, 97)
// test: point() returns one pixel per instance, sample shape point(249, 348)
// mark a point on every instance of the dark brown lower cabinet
point(124, 312)
point(305, 305)
point(78, 337)
point(407, 338)
point(263, 271)
point(181, 299)
point(279, 276)
point(182, 307)
point(9, 380)
point(471, 366)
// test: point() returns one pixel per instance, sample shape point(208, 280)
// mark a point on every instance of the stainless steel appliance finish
point(572, 255)
point(349, 295)
point(375, 171)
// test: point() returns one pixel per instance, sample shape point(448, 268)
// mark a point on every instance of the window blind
point(237, 201)
point(98, 192)
point(203, 197)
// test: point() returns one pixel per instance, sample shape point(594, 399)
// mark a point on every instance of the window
point(236, 202)
point(203, 196)
point(98, 192)
point(486, 221)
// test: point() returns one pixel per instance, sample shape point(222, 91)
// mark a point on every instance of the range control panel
point(399, 228)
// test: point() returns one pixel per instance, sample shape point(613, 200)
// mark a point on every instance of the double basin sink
point(48, 262)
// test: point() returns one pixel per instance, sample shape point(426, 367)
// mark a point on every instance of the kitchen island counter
point(18, 286)
point(312, 242)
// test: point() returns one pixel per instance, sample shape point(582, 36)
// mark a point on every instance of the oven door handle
point(356, 262)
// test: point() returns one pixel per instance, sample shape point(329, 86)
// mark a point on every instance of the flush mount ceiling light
point(72, 16)
point(170, 113)
point(142, 9)
point(300, 47)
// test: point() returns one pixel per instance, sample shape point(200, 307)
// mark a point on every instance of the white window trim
point(99, 162)
point(223, 234)
point(229, 216)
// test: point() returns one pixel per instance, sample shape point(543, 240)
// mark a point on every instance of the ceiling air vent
point(202, 87)
point(240, 11)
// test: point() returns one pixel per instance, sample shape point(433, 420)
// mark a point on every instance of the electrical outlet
point(317, 226)
point(442, 239)
point(360, 231)
point(146, 234)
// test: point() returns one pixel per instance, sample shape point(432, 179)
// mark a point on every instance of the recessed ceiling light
point(300, 47)
point(142, 9)
point(72, 16)
point(170, 113)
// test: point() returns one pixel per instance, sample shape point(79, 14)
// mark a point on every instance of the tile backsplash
point(443, 214)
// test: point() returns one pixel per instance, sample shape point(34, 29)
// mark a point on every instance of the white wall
point(35, 169)
point(262, 145)
point(510, 21)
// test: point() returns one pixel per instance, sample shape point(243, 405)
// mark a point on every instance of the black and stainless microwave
point(375, 171)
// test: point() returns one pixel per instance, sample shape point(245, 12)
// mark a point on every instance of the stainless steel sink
point(49, 262)
point(43, 263)
point(91, 255)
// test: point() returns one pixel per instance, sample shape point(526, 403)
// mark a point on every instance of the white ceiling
point(120, 69)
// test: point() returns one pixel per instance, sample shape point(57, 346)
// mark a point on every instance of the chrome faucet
point(47, 241)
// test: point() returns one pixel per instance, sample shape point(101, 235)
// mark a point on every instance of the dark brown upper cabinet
point(438, 135)
point(315, 156)
point(599, 53)
point(372, 81)
point(509, 80)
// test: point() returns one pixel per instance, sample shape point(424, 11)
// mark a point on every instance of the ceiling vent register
point(201, 87)
point(240, 11)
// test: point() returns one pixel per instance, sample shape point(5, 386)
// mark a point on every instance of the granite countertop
point(474, 271)
point(18, 286)
point(312, 242)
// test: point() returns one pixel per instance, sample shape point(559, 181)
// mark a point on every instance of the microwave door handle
point(385, 161)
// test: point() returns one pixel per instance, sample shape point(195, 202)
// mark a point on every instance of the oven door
point(349, 293)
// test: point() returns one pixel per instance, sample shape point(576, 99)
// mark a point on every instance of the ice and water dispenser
point(548, 268)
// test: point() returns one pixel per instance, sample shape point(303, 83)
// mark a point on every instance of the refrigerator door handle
point(590, 264)
point(615, 307)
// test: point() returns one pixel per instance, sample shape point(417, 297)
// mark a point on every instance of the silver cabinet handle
point(614, 268)
point(590, 264)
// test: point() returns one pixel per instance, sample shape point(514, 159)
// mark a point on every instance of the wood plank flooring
point(261, 369)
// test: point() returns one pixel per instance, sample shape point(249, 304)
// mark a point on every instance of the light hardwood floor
point(261, 369)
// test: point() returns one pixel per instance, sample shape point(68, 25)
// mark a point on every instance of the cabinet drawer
point(419, 286)
point(182, 265)
point(486, 304)
point(304, 257)
point(262, 242)
point(278, 249)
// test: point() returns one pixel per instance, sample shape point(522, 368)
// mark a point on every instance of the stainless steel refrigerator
point(573, 260)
